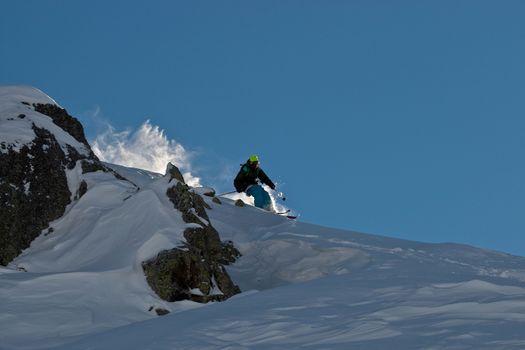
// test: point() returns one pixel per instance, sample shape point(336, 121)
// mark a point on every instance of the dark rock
point(161, 311)
point(204, 241)
point(21, 116)
point(49, 231)
point(216, 200)
point(177, 273)
point(82, 189)
point(174, 173)
point(195, 271)
point(229, 253)
point(184, 200)
point(89, 166)
point(33, 183)
point(211, 193)
point(34, 188)
point(120, 177)
point(66, 122)
point(239, 203)
point(74, 156)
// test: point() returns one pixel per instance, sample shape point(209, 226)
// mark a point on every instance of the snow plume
point(146, 148)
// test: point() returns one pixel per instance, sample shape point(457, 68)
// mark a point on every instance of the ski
point(284, 212)
point(291, 217)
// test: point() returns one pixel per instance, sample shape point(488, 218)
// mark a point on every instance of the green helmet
point(253, 158)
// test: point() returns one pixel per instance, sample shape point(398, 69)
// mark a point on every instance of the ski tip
point(283, 213)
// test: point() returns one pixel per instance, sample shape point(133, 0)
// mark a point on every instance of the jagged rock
point(216, 200)
point(195, 271)
point(82, 189)
point(209, 194)
point(184, 200)
point(229, 253)
point(239, 203)
point(161, 311)
point(204, 240)
point(204, 191)
point(65, 121)
point(91, 167)
point(182, 274)
point(49, 231)
point(34, 188)
point(174, 173)
point(33, 183)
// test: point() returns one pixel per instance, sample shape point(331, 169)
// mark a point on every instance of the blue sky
point(402, 118)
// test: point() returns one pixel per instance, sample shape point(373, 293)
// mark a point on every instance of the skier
point(246, 181)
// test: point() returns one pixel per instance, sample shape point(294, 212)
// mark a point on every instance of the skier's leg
point(266, 200)
point(261, 197)
point(255, 192)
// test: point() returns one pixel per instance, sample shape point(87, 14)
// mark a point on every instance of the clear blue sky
point(402, 118)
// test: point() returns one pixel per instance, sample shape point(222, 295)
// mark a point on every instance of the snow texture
point(81, 286)
point(17, 116)
point(305, 286)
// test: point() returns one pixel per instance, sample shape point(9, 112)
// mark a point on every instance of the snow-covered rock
point(21, 107)
point(39, 145)
point(47, 175)
point(198, 265)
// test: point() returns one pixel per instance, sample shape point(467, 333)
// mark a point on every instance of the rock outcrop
point(34, 191)
point(195, 271)
point(33, 183)
point(66, 122)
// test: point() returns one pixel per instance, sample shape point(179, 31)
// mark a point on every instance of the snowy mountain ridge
point(81, 284)
point(17, 118)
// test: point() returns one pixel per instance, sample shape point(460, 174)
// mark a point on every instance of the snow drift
point(81, 285)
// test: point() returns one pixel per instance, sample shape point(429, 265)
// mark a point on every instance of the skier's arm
point(239, 181)
point(265, 179)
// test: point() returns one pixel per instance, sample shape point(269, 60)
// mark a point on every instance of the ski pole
point(222, 194)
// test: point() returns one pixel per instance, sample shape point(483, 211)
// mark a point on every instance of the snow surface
point(80, 284)
point(16, 119)
point(304, 286)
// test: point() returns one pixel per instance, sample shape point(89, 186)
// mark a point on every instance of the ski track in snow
point(82, 287)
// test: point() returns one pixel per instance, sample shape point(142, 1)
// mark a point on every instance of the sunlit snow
point(81, 284)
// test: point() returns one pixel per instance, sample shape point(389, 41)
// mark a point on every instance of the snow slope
point(305, 286)
point(81, 284)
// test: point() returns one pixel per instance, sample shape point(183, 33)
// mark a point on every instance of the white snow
point(15, 131)
point(304, 286)
point(73, 179)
